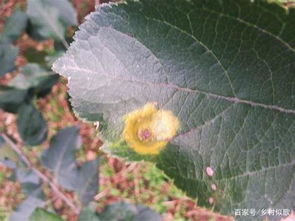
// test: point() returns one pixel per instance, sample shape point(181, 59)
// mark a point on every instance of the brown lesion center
point(144, 134)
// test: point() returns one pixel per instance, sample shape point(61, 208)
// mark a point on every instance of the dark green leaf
point(224, 68)
point(49, 19)
point(14, 26)
point(87, 181)
point(34, 77)
point(43, 215)
point(8, 55)
point(25, 209)
point(31, 125)
point(121, 211)
point(30, 182)
point(12, 98)
point(88, 215)
point(60, 158)
point(68, 14)
point(128, 212)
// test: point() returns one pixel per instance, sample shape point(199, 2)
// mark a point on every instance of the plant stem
point(44, 178)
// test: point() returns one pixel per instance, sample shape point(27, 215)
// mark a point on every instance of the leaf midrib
point(227, 98)
point(61, 157)
point(176, 87)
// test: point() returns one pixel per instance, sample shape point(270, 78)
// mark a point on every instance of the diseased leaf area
point(225, 69)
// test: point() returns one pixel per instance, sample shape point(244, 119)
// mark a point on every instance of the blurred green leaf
point(88, 215)
point(66, 10)
point(60, 158)
point(32, 76)
point(8, 54)
point(121, 211)
point(128, 212)
point(12, 98)
point(14, 26)
point(30, 182)
point(49, 19)
point(31, 125)
point(26, 208)
point(43, 215)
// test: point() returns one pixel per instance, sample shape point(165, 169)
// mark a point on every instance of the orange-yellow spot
point(148, 130)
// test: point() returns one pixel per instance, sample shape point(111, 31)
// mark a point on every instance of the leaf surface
point(126, 211)
point(41, 214)
point(60, 158)
point(30, 182)
point(26, 208)
point(121, 211)
point(34, 77)
point(49, 19)
point(8, 55)
point(12, 98)
point(14, 26)
point(31, 125)
point(224, 68)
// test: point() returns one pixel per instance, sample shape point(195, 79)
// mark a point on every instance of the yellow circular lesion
point(148, 130)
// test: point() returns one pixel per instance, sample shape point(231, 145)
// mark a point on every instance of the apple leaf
point(224, 68)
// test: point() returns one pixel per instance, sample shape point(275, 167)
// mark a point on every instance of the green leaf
point(60, 158)
point(49, 19)
point(41, 214)
point(31, 125)
point(67, 12)
point(8, 55)
point(34, 77)
point(121, 211)
point(25, 209)
point(88, 215)
point(12, 98)
point(125, 212)
point(30, 182)
point(224, 68)
point(87, 181)
point(14, 26)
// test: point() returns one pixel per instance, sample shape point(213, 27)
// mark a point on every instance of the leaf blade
point(216, 68)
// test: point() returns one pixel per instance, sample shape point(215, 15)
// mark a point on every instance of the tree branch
point(44, 178)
